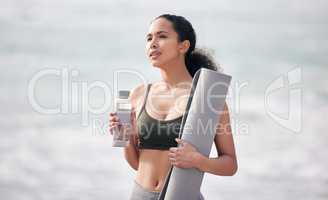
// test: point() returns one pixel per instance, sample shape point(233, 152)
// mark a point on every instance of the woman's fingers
point(113, 121)
point(114, 118)
point(172, 157)
point(112, 113)
point(175, 157)
point(112, 126)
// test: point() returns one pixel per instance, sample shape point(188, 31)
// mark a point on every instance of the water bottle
point(121, 133)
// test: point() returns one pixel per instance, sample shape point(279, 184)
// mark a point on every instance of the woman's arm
point(226, 162)
point(131, 152)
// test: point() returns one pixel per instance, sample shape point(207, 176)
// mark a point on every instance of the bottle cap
point(123, 94)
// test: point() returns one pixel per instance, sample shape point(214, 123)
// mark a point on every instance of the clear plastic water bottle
point(121, 133)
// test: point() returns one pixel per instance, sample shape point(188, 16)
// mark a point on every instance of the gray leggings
point(140, 193)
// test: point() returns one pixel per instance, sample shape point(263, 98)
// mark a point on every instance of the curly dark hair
point(195, 58)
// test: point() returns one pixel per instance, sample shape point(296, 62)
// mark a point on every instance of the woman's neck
point(174, 75)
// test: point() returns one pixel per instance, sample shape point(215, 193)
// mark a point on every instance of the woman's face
point(162, 45)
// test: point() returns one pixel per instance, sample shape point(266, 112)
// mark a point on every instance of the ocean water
point(281, 148)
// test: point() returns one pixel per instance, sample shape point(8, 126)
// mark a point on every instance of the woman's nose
point(153, 44)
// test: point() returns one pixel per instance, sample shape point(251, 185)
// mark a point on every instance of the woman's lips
point(155, 55)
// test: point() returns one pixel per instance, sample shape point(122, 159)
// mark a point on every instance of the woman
point(170, 47)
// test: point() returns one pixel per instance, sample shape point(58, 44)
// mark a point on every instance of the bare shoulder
point(137, 94)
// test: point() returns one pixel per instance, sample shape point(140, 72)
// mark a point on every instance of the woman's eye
point(161, 36)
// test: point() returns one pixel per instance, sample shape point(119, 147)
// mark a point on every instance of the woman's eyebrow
point(158, 32)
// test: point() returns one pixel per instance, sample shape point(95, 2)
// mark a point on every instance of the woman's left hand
point(183, 156)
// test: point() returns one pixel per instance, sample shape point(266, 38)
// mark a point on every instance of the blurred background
point(276, 52)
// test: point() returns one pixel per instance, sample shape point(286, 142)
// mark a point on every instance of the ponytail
point(200, 58)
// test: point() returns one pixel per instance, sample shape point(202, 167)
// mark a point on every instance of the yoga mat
point(198, 127)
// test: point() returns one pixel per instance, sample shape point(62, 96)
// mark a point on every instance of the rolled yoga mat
point(198, 127)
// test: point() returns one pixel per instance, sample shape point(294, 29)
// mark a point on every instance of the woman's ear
point(184, 46)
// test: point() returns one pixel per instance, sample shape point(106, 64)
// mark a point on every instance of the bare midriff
point(153, 168)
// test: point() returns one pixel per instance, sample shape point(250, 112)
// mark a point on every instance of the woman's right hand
point(114, 121)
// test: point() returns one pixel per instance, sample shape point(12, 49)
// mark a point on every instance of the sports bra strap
point(145, 99)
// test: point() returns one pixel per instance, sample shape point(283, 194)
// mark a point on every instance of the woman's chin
point(155, 63)
point(156, 66)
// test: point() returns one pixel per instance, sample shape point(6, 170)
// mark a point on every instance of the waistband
point(145, 189)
